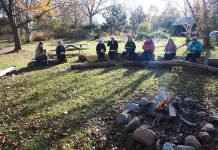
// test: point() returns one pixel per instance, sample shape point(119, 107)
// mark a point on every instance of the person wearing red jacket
point(149, 47)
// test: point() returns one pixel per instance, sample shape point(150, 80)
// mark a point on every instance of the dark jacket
point(113, 45)
point(99, 47)
point(60, 49)
point(130, 45)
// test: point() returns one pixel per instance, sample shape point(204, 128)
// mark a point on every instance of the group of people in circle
point(194, 50)
point(42, 58)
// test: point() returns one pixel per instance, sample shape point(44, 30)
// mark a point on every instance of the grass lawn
point(55, 107)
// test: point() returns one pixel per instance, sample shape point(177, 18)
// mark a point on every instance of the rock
point(190, 101)
point(132, 106)
point(184, 147)
point(201, 114)
point(133, 124)
point(208, 128)
point(144, 136)
point(145, 102)
point(214, 118)
point(158, 143)
point(146, 126)
point(168, 146)
point(204, 137)
point(123, 118)
point(192, 141)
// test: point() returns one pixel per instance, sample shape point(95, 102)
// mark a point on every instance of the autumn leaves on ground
point(54, 107)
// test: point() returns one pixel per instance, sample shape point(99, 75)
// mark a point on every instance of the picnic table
point(76, 47)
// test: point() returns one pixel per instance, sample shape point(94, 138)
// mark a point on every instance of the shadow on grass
point(76, 118)
point(29, 69)
point(98, 105)
point(9, 52)
point(189, 83)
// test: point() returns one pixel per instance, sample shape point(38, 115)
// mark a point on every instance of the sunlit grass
point(42, 104)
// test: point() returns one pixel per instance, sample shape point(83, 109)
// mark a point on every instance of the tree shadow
point(30, 69)
point(65, 121)
point(9, 52)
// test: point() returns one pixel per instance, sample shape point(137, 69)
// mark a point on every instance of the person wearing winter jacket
point(61, 52)
point(149, 48)
point(101, 50)
point(194, 50)
point(40, 55)
point(113, 48)
point(170, 50)
point(130, 48)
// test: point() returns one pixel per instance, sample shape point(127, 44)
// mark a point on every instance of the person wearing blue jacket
point(194, 50)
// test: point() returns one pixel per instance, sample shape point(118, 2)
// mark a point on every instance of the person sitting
point(101, 49)
point(149, 48)
point(194, 50)
point(130, 48)
point(40, 55)
point(113, 47)
point(170, 50)
point(61, 52)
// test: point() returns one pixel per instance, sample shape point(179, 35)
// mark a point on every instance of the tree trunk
point(16, 34)
point(28, 37)
point(90, 20)
point(172, 63)
point(90, 23)
point(28, 30)
point(206, 28)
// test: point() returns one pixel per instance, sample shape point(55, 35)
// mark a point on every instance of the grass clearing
point(50, 108)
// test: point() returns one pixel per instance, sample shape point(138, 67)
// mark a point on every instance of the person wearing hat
point(194, 50)
point(61, 52)
point(130, 48)
point(101, 49)
point(40, 55)
point(113, 48)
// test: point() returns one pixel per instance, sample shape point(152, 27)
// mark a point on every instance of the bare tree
point(201, 15)
point(91, 7)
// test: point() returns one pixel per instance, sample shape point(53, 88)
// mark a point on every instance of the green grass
point(52, 107)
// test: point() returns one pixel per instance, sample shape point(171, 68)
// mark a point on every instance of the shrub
point(42, 36)
point(144, 27)
point(38, 36)
point(141, 36)
point(89, 27)
point(159, 35)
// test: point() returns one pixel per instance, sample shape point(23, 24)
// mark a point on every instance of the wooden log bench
point(171, 64)
point(7, 71)
point(32, 63)
point(91, 58)
point(92, 65)
point(213, 62)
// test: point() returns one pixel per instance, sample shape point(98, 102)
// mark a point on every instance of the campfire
point(167, 121)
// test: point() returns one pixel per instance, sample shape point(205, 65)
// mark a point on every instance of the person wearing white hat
point(194, 50)
point(113, 48)
point(101, 49)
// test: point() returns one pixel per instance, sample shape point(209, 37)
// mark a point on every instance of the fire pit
point(167, 121)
